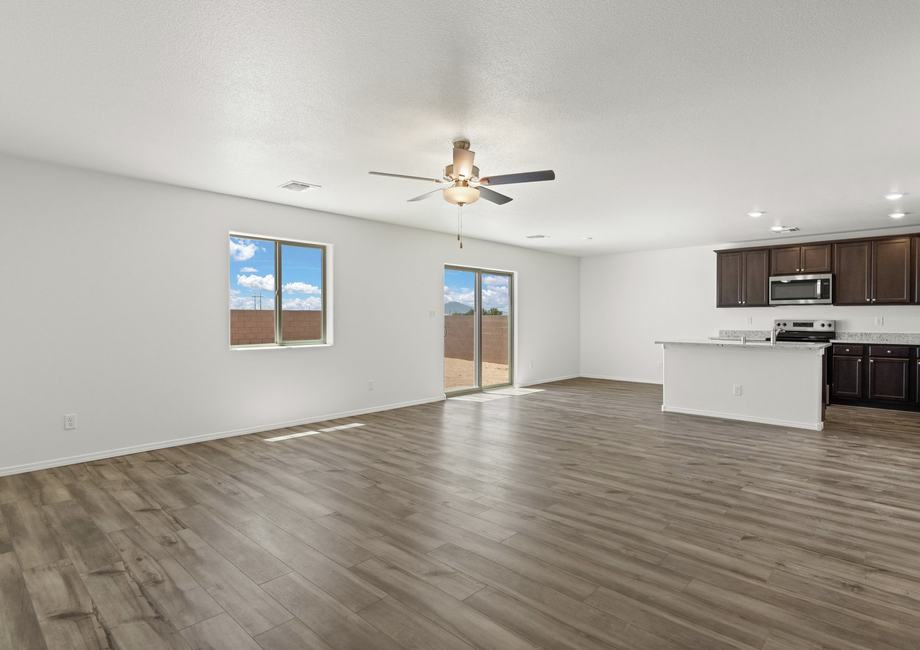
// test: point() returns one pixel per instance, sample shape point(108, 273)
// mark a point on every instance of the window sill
point(280, 347)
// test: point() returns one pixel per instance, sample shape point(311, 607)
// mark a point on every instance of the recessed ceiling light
point(756, 214)
point(298, 186)
point(537, 236)
point(783, 229)
point(894, 196)
point(897, 215)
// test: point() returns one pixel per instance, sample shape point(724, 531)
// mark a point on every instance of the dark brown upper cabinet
point(730, 276)
point(891, 271)
point(853, 281)
point(743, 279)
point(785, 261)
point(816, 258)
point(756, 286)
point(874, 271)
point(792, 260)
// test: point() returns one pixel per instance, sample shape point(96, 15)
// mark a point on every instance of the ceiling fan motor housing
point(449, 174)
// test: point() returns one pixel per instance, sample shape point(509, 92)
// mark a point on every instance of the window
point(277, 292)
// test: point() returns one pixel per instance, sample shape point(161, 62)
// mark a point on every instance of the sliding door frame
point(477, 328)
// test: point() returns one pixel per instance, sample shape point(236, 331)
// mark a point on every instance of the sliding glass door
point(477, 329)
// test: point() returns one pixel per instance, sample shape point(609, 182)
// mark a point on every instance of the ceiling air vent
point(298, 186)
point(780, 230)
point(537, 236)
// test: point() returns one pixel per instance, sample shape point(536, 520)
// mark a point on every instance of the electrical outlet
point(370, 384)
point(750, 320)
point(432, 313)
point(879, 320)
point(70, 421)
point(530, 365)
point(736, 390)
point(660, 365)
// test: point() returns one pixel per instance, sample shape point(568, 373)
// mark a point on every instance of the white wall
point(630, 300)
point(115, 308)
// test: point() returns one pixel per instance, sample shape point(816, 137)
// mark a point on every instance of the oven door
point(801, 289)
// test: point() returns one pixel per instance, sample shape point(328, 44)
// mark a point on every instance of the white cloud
point(494, 281)
point(301, 287)
point(257, 283)
point(494, 295)
point(452, 294)
point(313, 303)
point(246, 302)
point(241, 251)
point(497, 297)
point(248, 269)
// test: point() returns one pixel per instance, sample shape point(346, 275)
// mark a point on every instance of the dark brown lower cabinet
point(887, 376)
point(889, 379)
point(917, 377)
point(847, 377)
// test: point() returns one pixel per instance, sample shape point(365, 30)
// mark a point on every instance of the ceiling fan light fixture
point(460, 193)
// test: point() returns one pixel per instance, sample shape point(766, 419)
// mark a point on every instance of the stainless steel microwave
point(814, 289)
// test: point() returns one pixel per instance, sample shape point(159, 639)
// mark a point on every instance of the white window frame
point(326, 284)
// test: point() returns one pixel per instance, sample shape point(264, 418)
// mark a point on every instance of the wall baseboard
point(545, 381)
point(126, 451)
point(745, 418)
point(629, 379)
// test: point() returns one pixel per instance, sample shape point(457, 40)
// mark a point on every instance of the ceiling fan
point(463, 183)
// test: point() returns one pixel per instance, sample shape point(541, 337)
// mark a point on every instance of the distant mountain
point(456, 308)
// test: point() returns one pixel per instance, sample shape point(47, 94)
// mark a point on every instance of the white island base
point(781, 385)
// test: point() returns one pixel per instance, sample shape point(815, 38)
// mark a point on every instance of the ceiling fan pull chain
point(460, 224)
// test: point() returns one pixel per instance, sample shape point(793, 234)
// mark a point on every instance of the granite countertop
point(764, 345)
point(878, 338)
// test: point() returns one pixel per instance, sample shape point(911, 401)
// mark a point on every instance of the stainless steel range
point(804, 331)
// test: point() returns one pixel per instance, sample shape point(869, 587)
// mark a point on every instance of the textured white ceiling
point(665, 121)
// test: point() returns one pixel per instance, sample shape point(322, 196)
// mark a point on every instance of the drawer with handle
point(893, 351)
point(846, 350)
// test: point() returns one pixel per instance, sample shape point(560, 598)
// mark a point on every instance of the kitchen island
point(781, 384)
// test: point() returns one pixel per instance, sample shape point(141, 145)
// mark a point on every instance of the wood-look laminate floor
point(578, 518)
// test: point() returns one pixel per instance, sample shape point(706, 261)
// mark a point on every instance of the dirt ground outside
point(459, 372)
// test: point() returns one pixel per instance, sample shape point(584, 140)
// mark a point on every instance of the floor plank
point(577, 517)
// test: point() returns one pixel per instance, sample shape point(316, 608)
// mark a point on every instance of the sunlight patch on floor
point(313, 433)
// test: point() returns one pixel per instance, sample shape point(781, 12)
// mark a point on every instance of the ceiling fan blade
point(415, 178)
point(494, 197)
point(463, 162)
point(425, 195)
point(526, 177)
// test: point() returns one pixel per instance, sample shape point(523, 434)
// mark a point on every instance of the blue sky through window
point(458, 287)
point(252, 271)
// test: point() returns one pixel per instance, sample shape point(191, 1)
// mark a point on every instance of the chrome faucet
point(776, 330)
